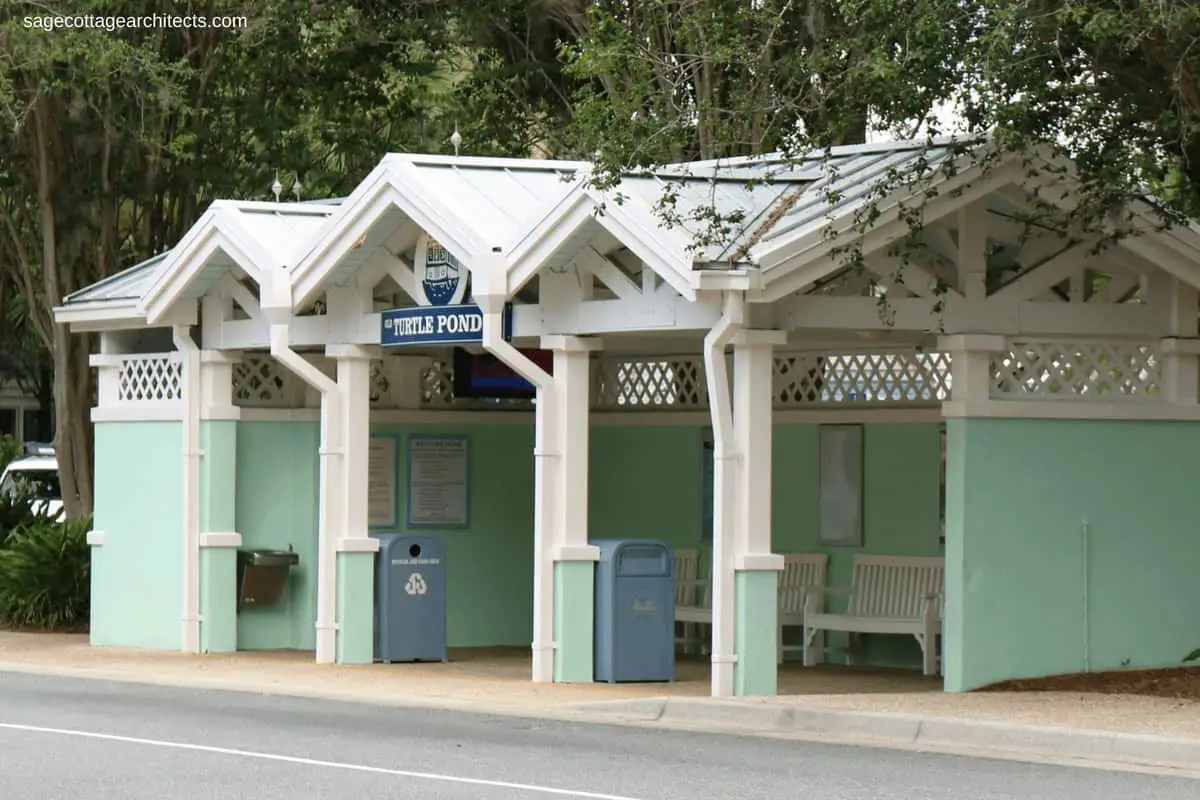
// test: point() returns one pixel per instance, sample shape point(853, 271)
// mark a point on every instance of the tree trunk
point(71, 428)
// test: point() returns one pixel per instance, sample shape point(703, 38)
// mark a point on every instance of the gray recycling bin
point(635, 611)
point(262, 576)
point(410, 598)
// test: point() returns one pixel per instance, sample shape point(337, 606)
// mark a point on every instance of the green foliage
point(15, 513)
point(1192, 656)
point(44, 576)
point(10, 450)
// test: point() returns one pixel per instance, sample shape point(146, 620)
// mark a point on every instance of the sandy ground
point(497, 680)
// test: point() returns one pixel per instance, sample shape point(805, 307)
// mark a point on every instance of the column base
point(355, 608)
point(218, 598)
point(755, 639)
point(574, 620)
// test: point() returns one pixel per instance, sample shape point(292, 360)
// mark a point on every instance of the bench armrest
point(811, 593)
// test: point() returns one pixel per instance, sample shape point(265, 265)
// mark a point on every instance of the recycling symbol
point(416, 584)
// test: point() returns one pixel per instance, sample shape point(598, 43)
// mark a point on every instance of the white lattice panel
point(438, 384)
point(380, 385)
point(651, 383)
point(150, 378)
point(887, 379)
point(260, 381)
point(1098, 371)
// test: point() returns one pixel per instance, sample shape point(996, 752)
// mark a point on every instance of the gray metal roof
point(500, 198)
point(128, 284)
point(777, 198)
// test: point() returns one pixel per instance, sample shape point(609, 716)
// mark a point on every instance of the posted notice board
point(381, 482)
point(438, 481)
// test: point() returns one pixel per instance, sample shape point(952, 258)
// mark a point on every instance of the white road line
point(312, 762)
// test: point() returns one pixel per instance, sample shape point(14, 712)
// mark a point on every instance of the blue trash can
point(410, 598)
point(635, 611)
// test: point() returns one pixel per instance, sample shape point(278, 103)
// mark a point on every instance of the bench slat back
point(895, 586)
point(800, 571)
point(687, 568)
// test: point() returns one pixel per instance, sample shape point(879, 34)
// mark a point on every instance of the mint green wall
point(574, 621)
point(1019, 497)
point(900, 513)
point(489, 565)
point(755, 631)
point(218, 600)
point(644, 482)
point(277, 474)
point(648, 482)
point(218, 476)
point(356, 608)
point(136, 574)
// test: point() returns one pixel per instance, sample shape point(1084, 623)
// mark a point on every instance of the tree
point(664, 82)
point(1111, 84)
point(116, 140)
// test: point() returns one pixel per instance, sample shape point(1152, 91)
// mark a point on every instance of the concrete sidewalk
point(830, 705)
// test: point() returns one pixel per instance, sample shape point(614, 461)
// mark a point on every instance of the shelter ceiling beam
point(614, 277)
point(1066, 265)
point(231, 287)
point(971, 256)
point(814, 250)
point(1119, 289)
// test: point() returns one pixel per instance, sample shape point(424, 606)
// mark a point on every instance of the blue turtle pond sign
point(440, 316)
point(434, 325)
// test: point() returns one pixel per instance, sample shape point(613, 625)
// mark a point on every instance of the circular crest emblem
point(442, 279)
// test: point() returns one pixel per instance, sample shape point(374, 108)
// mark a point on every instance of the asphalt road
point(65, 739)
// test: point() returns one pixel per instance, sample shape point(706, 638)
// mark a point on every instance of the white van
point(37, 472)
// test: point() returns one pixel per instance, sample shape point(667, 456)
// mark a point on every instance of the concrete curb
point(1036, 743)
point(910, 731)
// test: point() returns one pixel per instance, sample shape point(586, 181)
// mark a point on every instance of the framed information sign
point(438, 481)
point(841, 478)
point(382, 457)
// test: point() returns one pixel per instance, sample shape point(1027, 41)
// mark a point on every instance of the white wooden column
point(216, 385)
point(755, 577)
point(571, 569)
point(1181, 376)
point(350, 551)
point(970, 369)
point(545, 492)
point(753, 403)
point(354, 386)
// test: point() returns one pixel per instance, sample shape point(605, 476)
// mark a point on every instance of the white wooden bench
point(801, 572)
point(888, 594)
point(693, 595)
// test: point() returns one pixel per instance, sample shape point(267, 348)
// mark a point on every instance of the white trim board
point(1066, 409)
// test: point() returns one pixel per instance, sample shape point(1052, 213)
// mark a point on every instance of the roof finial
point(456, 139)
point(297, 187)
point(277, 187)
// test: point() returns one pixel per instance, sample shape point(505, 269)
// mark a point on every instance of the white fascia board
point(664, 251)
point(352, 210)
point(101, 315)
point(393, 185)
point(178, 254)
point(534, 247)
point(223, 233)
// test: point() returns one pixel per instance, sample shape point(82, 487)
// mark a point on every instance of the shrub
point(45, 575)
point(17, 511)
point(10, 450)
